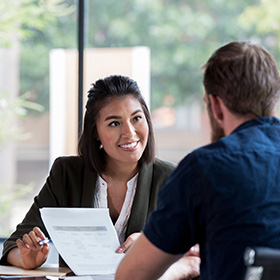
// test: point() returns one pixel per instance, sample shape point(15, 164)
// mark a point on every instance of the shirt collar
point(257, 121)
point(130, 184)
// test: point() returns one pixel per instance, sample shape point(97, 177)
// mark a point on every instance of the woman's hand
point(128, 242)
point(186, 268)
point(194, 251)
point(29, 254)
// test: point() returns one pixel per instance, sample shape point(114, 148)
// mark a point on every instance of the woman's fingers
point(128, 242)
point(27, 240)
point(39, 233)
point(31, 240)
point(194, 251)
point(21, 244)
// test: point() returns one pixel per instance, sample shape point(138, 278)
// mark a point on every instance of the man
point(224, 196)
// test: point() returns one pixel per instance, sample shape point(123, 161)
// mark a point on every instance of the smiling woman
point(116, 168)
point(123, 131)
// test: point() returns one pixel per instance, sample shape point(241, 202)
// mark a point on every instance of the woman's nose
point(128, 130)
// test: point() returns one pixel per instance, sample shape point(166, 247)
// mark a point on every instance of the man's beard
point(216, 131)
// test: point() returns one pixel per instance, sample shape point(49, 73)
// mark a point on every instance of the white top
point(100, 201)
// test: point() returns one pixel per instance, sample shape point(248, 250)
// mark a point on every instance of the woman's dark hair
point(98, 96)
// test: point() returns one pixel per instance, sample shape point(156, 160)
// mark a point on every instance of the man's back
point(242, 194)
point(233, 190)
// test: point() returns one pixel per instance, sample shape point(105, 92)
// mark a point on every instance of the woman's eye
point(114, 123)
point(137, 118)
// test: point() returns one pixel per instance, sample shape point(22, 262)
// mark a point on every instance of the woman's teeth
point(129, 146)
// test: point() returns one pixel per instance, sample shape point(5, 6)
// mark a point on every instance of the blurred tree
point(20, 18)
point(34, 71)
point(41, 25)
point(264, 19)
point(181, 34)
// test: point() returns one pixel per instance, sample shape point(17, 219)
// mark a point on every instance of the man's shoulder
point(257, 136)
point(197, 161)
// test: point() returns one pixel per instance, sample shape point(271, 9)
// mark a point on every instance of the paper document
point(85, 238)
point(90, 277)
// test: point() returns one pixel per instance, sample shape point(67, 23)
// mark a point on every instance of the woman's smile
point(130, 146)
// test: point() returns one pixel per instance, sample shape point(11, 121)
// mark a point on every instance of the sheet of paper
point(91, 277)
point(85, 238)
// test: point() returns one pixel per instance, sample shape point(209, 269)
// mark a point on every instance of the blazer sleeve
point(53, 194)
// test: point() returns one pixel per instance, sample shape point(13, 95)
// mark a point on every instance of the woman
point(116, 168)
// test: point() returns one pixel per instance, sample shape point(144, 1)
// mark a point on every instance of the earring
point(101, 146)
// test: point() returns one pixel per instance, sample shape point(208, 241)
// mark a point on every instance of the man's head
point(245, 77)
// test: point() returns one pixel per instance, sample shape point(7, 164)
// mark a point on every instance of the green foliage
point(34, 59)
point(19, 18)
point(264, 19)
point(34, 73)
point(40, 26)
point(264, 16)
point(181, 34)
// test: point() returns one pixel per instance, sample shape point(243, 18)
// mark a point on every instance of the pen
point(45, 241)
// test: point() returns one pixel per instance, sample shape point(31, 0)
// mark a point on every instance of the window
point(175, 37)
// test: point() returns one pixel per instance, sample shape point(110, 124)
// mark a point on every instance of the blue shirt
point(224, 196)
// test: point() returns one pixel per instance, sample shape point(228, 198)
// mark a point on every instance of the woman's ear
point(217, 107)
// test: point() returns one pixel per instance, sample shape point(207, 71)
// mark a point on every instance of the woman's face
point(123, 130)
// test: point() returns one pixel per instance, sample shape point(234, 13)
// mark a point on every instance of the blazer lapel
point(140, 207)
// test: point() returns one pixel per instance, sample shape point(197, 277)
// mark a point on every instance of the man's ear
point(217, 107)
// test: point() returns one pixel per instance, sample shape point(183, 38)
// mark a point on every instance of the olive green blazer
point(71, 184)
